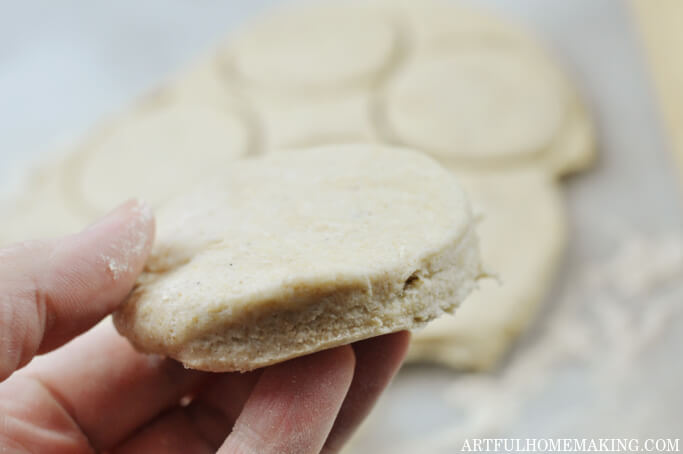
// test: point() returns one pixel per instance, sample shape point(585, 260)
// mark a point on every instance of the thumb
point(53, 290)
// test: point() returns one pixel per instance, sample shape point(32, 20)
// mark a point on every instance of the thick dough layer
point(302, 251)
point(522, 240)
point(155, 152)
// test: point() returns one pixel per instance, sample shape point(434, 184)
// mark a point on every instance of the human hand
point(96, 393)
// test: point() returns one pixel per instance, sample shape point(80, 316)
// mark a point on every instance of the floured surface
point(522, 235)
point(282, 232)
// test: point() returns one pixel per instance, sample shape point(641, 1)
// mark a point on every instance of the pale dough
point(438, 27)
point(205, 84)
point(42, 210)
point(314, 48)
point(302, 251)
point(485, 104)
point(153, 153)
point(523, 237)
point(291, 123)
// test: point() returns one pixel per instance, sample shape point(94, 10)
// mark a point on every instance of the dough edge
point(272, 336)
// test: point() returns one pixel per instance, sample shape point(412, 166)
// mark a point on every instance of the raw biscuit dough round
point(477, 104)
point(153, 153)
point(522, 235)
point(319, 47)
point(302, 251)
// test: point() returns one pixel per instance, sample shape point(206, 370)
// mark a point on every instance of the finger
point(174, 433)
point(377, 361)
point(107, 387)
point(293, 405)
point(52, 290)
point(32, 421)
point(204, 424)
point(216, 408)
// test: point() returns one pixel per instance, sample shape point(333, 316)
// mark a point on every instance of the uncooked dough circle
point(316, 48)
point(483, 104)
point(297, 252)
point(155, 153)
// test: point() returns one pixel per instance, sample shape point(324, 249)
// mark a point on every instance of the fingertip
point(90, 273)
point(377, 361)
point(399, 343)
point(56, 289)
point(294, 404)
point(122, 239)
point(343, 358)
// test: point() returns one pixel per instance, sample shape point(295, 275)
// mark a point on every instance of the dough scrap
point(522, 236)
point(153, 153)
point(302, 251)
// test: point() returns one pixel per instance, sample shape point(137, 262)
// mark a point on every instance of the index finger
point(51, 291)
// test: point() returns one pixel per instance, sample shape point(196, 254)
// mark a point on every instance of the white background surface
point(64, 65)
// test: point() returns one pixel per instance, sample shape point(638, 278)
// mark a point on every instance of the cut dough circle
point(315, 48)
point(154, 153)
point(302, 251)
point(523, 236)
point(483, 104)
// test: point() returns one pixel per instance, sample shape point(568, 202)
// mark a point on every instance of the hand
point(96, 393)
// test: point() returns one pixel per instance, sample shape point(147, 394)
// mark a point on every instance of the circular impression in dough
point(318, 47)
point(297, 252)
point(154, 153)
point(483, 104)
